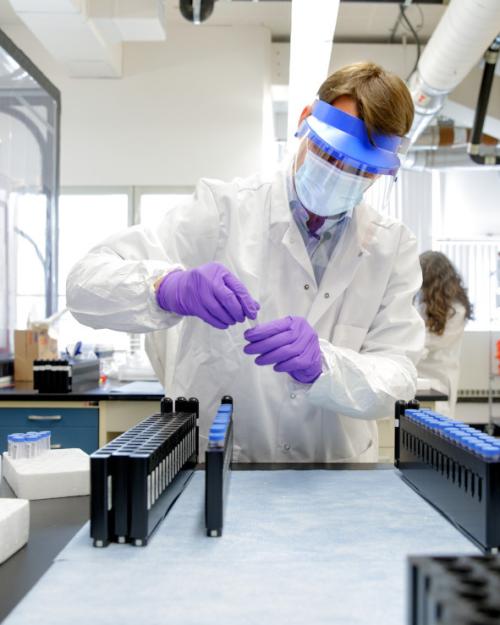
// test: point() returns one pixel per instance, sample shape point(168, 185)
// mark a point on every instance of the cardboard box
point(28, 346)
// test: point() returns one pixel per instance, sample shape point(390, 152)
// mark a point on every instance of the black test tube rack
point(137, 477)
point(65, 375)
point(461, 484)
point(218, 467)
point(454, 590)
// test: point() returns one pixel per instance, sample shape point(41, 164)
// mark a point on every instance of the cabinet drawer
point(27, 419)
point(64, 438)
point(70, 427)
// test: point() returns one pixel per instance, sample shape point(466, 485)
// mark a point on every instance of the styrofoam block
point(57, 473)
point(14, 526)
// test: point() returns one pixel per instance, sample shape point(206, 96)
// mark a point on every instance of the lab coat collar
point(361, 229)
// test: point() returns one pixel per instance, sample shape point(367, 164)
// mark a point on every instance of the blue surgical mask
point(326, 190)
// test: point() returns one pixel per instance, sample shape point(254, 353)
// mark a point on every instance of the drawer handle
point(56, 446)
point(35, 417)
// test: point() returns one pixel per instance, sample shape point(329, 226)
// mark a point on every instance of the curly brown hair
point(441, 287)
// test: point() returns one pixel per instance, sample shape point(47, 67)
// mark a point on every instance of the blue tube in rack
point(218, 458)
point(455, 467)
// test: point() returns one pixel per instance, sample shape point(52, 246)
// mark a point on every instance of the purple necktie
point(314, 222)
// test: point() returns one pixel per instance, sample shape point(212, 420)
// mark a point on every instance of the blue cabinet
point(70, 427)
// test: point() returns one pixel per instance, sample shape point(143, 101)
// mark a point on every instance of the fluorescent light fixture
point(313, 28)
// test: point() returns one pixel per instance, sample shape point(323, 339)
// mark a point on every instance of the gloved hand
point(210, 292)
point(291, 344)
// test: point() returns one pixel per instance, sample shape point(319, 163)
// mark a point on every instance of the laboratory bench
point(87, 419)
point(301, 544)
point(53, 522)
point(90, 419)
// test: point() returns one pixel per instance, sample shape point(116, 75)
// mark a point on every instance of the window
point(85, 219)
point(152, 205)
point(477, 262)
point(29, 210)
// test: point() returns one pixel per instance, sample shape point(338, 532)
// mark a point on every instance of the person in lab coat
point(445, 308)
point(289, 293)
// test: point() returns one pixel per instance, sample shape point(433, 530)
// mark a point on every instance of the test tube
point(13, 444)
point(20, 446)
point(32, 444)
point(46, 441)
point(216, 440)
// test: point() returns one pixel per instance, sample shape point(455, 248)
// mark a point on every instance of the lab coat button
point(286, 447)
point(327, 295)
point(306, 286)
point(293, 396)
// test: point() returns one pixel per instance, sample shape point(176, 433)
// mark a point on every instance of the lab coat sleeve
point(113, 285)
point(366, 384)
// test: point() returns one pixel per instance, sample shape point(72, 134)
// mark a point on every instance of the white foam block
point(57, 473)
point(14, 526)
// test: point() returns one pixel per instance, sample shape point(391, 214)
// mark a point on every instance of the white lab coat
point(441, 358)
point(371, 335)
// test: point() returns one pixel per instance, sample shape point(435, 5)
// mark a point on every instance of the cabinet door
point(70, 427)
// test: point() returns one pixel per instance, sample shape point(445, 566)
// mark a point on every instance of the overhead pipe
point(474, 149)
point(447, 135)
point(463, 33)
point(443, 159)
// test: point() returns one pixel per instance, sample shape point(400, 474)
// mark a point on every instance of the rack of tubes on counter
point(479, 443)
point(28, 445)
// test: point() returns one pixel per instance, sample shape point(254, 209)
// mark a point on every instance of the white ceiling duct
point(86, 35)
point(465, 31)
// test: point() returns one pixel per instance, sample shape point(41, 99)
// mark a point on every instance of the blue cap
point(346, 138)
point(489, 451)
point(218, 427)
point(31, 437)
point(215, 436)
point(16, 438)
point(223, 416)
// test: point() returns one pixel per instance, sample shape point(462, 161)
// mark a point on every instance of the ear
point(305, 113)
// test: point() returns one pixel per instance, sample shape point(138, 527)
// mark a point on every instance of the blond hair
point(383, 100)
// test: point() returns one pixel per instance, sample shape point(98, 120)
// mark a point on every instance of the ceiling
point(357, 22)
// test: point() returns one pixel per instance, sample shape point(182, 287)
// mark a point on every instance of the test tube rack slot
point(218, 458)
point(137, 477)
point(454, 590)
point(458, 482)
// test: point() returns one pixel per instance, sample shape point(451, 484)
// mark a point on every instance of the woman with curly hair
point(445, 308)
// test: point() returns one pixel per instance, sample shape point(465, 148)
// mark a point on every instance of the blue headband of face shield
point(346, 138)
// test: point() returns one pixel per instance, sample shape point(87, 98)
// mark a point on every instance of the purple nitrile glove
point(210, 292)
point(290, 344)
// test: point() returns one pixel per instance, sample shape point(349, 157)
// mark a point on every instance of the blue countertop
point(299, 547)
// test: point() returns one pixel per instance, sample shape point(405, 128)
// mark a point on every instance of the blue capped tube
point(216, 439)
point(45, 441)
point(492, 452)
point(15, 445)
point(32, 440)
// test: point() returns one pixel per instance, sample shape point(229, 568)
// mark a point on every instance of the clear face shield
point(337, 165)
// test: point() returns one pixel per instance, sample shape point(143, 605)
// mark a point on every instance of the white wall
point(186, 108)
point(470, 204)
